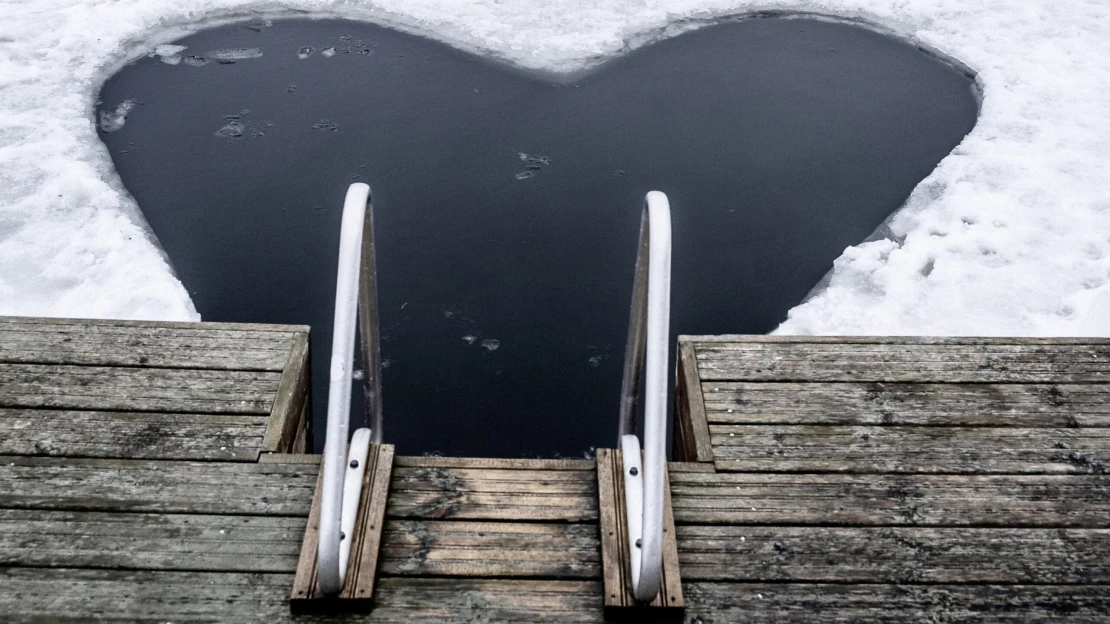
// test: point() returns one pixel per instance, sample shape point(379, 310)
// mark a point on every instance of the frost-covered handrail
point(343, 468)
point(648, 334)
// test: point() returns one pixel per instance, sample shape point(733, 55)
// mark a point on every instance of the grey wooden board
point(820, 448)
point(67, 595)
point(490, 549)
point(156, 486)
point(492, 493)
point(1041, 362)
point(894, 555)
point(137, 389)
point(820, 403)
point(149, 541)
point(501, 463)
point(69, 433)
point(804, 603)
point(953, 500)
point(74, 595)
point(230, 350)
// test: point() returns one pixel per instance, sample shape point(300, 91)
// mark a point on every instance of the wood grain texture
point(288, 413)
point(811, 603)
point(137, 389)
point(691, 430)
point(131, 435)
point(896, 449)
point(227, 351)
point(895, 555)
point(885, 499)
point(620, 603)
point(493, 493)
point(31, 595)
point(490, 549)
point(156, 486)
point(149, 541)
point(68, 595)
point(910, 361)
point(366, 547)
point(499, 463)
point(357, 593)
point(935, 404)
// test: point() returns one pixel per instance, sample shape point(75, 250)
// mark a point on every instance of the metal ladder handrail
point(648, 341)
point(355, 294)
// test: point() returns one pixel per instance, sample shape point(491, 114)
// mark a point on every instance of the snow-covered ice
point(1009, 235)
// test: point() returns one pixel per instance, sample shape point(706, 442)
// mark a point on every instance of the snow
point(1009, 235)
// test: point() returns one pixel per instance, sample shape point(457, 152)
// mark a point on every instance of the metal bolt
point(638, 543)
point(633, 471)
point(342, 536)
point(354, 463)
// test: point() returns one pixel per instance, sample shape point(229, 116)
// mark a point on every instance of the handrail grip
point(355, 295)
point(645, 362)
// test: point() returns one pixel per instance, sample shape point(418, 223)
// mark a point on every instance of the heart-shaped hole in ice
point(508, 204)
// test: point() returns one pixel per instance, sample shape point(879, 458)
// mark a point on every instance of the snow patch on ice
point(1009, 235)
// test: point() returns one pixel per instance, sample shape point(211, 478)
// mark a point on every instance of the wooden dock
point(156, 472)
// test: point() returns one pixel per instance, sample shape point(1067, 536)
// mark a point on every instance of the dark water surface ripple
point(508, 205)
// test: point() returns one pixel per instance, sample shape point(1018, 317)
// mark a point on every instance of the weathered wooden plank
point(894, 555)
point(808, 603)
point(691, 431)
point(137, 389)
point(226, 350)
point(149, 541)
point(38, 324)
point(75, 595)
point(366, 547)
point(490, 549)
point(357, 593)
point(305, 588)
point(677, 466)
point(922, 500)
point(156, 486)
point(610, 529)
point(999, 405)
point(291, 399)
point(973, 450)
point(133, 435)
point(492, 493)
point(53, 595)
point(451, 601)
point(40, 595)
point(290, 458)
point(496, 463)
point(1045, 362)
point(620, 603)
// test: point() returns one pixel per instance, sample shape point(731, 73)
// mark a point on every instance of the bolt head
point(354, 463)
point(633, 471)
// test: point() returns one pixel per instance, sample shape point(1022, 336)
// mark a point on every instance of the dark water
point(504, 301)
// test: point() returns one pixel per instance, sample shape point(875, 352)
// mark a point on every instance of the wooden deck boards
point(819, 480)
point(894, 479)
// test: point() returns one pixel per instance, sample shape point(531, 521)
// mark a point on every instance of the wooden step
point(357, 594)
point(620, 603)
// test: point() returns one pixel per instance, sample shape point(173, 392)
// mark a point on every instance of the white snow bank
point(1010, 234)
